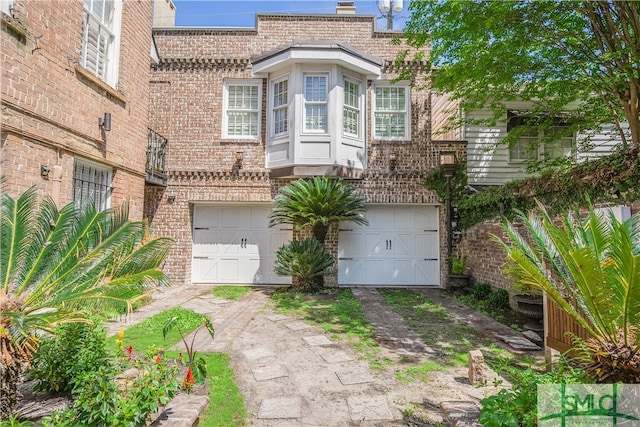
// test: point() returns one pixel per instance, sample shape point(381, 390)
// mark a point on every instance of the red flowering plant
point(196, 367)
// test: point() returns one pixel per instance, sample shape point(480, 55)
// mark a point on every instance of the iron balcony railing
point(156, 154)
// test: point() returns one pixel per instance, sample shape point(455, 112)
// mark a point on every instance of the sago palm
point(591, 269)
point(55, 265)
point(307, 260)
point(317, 202)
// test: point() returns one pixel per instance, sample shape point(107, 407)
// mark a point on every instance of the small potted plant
point(457, 278)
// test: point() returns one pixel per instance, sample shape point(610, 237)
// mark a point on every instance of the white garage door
point(399, 248)
point(233, 244)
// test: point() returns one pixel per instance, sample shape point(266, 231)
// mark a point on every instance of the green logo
point(589, 404)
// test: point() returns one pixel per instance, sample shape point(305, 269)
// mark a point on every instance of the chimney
point(346, 8)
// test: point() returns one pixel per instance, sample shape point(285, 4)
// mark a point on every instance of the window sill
point(100, 84)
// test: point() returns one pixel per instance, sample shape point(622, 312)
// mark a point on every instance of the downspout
point(56, 182)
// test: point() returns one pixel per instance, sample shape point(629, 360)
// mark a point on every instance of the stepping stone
point(257, 353)
point(297, 326)
point(460, 410)
point(269, 372)
point(337, 357)
point(317, 340)
point(354, 377)
point(277, 317)
point(365, 408)
point(280, 407)
point(519, 343)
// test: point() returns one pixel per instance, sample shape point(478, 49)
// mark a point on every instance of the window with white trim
point(391, 111)
point(315, 103)
point(242, 100)
point(100, 30)
point(351, 108)
point(551, 143)
point(280, 107)
point(5, 6)
point(92, 183)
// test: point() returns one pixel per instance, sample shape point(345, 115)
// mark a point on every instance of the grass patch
point(337, 312)
point(226, 406)
point(233, 293)
point(149, 332)
point(420, 372)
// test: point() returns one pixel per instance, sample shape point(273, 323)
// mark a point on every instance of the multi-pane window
point(391, 112)
point(552, 141)
point(242, 110)
point(92, 184)
point(315, 103)
point(280, 107)
point(98, 38)
point(351, 112)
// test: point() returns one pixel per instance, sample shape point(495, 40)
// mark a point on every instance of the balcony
point(156, 154)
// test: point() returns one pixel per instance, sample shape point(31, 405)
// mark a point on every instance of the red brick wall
point(186, 107)
point(50, 110)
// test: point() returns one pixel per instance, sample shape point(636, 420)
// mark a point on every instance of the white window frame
point(520, 151)
point(5, 7)
point(106, 27)
point(406, 111)
point(274, 109)
point(257, 83)
point(100, 180)
point(357, 109)
point(312, 103)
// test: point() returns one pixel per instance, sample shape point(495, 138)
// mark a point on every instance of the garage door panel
point(427, 246)
point(233, 244)
point(400, 247)
point(205, 270)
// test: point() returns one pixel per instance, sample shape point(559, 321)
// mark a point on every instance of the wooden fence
point(558, 325)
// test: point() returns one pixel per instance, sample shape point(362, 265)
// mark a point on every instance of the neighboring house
point(491, 162)
point(75, 87)
point(247, 110)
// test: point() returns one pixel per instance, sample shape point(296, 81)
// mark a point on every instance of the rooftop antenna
point(384, 6)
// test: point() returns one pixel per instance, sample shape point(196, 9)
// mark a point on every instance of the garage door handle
point(200, 257)
point(345, 259)
point(430, 231)
point(345, 229)
point(431, 259)
point(286, 229)
point(200, 228)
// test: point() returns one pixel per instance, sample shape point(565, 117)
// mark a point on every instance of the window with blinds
point(92, 184)
point(351, 106)
point(391, 112)
point(98, 37)
point(242, 100)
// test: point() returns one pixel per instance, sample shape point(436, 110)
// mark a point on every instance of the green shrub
point(499, 299)
point(517, 407)
point(481, 291)
point(99, 400)
point(76, 349)
point(304, 260)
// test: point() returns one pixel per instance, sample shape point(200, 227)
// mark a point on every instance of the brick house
point(246, 110)
point(75, 85)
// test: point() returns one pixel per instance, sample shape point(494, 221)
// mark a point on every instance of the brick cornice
point(202, 63)
point(221, 174)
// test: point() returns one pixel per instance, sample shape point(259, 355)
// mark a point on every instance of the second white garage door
point(400, 247)
point(234, 245)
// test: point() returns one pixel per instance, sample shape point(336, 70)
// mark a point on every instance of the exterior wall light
point(105, 122)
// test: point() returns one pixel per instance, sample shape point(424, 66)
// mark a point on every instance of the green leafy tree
point(56, 266)
point(580, 57)
point(317, 202)
point(591, 269)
